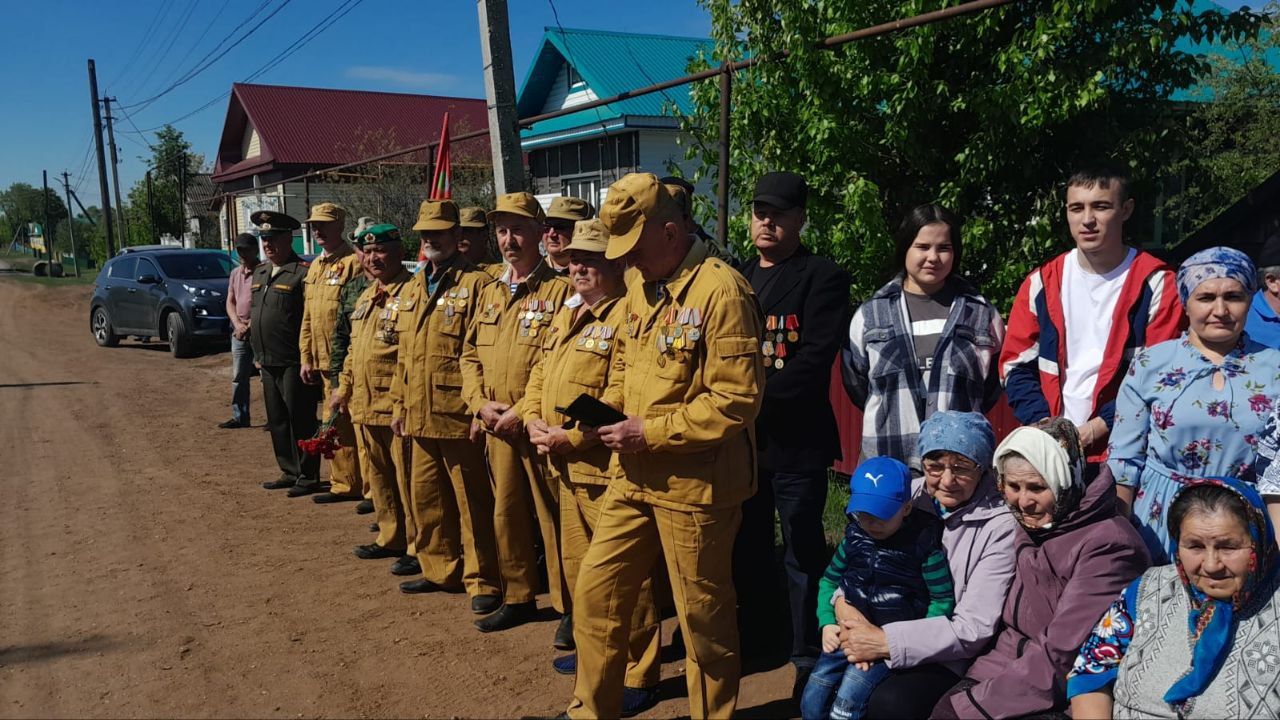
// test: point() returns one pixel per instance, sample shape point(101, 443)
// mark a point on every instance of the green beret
point(378, 234)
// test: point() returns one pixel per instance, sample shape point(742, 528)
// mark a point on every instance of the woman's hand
point(861, 641)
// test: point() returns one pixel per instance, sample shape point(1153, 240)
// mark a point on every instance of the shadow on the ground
point(41, 652)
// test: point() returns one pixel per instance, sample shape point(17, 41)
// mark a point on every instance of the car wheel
point(100, 324)
point(176, 334)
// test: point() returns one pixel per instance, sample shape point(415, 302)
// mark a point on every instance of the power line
point(208, 60)
point(142, 42)
point(154, 64)
point(316, 30)
point(192, 46)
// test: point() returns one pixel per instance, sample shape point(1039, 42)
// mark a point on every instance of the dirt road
point(143, 572)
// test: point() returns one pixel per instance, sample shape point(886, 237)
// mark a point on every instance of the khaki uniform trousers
point(579, 516)
point(382, 460)
point(525, 494)
point(344, 468)
point(450, 512)
point(698, 549)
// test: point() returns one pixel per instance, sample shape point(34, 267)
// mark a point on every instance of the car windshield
point(195, 266)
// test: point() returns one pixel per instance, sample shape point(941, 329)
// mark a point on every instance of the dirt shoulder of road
point(146, 574)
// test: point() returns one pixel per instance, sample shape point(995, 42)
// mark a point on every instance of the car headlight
point(201, 311)
point(202, 292)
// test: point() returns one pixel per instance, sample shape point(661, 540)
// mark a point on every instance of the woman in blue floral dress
point(1195, 406)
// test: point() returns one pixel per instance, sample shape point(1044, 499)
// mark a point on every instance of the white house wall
point(560, 98)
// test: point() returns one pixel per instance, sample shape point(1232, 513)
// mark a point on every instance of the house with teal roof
point(581, 154)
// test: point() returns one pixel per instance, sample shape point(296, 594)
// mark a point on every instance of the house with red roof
point(275, 132)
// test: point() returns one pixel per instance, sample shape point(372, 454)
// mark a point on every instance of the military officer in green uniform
point(275, 323)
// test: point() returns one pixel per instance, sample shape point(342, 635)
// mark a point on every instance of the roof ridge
point(619, 33)
point(342, 90)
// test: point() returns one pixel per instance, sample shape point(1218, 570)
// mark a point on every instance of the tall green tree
point(987, 114)
point(22, 203)
point(1233, 128)
point(169, 151)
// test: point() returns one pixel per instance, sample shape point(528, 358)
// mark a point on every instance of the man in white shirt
point(1079, 317)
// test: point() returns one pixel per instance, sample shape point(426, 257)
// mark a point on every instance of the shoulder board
point(304, 263)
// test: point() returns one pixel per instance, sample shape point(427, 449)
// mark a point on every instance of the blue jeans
point(837, 689)
point(241, 370)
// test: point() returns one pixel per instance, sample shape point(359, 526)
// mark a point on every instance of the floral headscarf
point(1213, 263)
point(1212, 622)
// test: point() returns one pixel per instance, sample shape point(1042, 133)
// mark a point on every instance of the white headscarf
point(1050, 458)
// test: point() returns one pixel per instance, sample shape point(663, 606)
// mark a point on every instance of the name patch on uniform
point(283, 288)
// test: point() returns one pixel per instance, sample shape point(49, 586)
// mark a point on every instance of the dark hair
point(1101, 176)
point(1207, 498)
point(921, 215)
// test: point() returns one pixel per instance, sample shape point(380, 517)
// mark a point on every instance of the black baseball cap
point(245, 241)
point(783, 190)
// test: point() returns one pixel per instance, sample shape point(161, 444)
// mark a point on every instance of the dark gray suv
point(176, 294)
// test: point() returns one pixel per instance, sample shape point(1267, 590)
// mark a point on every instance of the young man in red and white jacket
point(1078, 318)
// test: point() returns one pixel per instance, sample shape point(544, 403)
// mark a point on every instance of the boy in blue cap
point(891, 567)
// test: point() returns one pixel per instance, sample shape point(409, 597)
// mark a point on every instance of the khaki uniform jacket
point(493, 270)
point(577, 357)
point(690, 366)
point(325, 280)
point(275, 312)
point(371, 359)
point(427, 388)
point(504, 343)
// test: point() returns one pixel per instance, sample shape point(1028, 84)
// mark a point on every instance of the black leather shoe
point(637, 700)
point(406, 565)
point(280, 483)
point(373, 527)
point(508, 616)
point(421, 585)
point(364, 507)
point(298, 490)
point(566, 664)
point(326, 498)
point(374, 551)
point(233, 425)
point(485, 604)
point(564, 633)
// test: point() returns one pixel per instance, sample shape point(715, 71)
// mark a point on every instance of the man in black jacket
point(805, 300)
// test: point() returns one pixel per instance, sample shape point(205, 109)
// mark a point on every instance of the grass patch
point(22, 264)
point(833, 517)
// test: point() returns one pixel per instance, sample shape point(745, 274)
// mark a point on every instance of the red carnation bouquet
point(324, 442)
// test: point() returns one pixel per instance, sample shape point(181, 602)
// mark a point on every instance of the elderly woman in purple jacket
point(1075, 552)
point(927, 656)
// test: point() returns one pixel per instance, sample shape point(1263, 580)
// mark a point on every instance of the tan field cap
point(472, 217)
point(327, 212)
point(570, 208)
point(630, 203)
point(436, 215)
point(518, 203)
point(589, 236)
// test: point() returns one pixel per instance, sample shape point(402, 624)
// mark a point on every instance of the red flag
point(441, 185)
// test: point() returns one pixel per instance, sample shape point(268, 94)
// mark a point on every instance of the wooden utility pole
point(500, 96)
point(46, 232)
point(182, 196)
point(102, 164)
point(115, 173)
point(71, 222)
point(151, 208)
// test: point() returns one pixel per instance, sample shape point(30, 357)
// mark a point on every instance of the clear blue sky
point(398, 45)
point(419, 46)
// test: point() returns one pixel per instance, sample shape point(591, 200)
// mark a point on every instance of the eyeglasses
point(562, 228)
point(934, 469)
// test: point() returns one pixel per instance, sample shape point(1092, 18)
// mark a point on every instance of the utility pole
point(102, 164)
point(151, 208)
point(182, 196)
point(115, 173)
point(500, 96)
point(48, 235)
point(71, 222)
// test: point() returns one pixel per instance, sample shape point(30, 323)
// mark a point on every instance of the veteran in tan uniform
point(503, 344)
point(363, 391)
point(562, 215)
point(329, 273)
point(474, 243)
point(689, 380)
point(448, 496)
point(579, 353)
